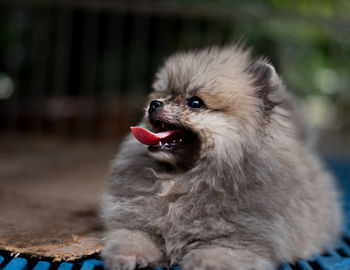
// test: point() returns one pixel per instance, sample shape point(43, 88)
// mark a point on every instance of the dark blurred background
point(81, 69)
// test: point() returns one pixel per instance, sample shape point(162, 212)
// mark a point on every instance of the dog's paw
point(205, 265)
point(124, 262)
point(206, 259)
point(125, 250)
point(218, 258)
point(200, 261)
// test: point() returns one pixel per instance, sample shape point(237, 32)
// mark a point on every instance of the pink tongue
point(147, 137)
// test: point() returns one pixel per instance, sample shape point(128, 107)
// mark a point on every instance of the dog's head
point(210, 104)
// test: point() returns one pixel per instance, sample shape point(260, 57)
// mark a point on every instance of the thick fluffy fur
point(245, 195)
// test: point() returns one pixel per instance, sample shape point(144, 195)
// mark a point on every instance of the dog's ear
point(268, 85)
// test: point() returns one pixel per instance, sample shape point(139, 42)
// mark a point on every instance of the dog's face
point(214, 102)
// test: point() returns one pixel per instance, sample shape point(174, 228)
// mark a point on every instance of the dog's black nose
point(155, 105)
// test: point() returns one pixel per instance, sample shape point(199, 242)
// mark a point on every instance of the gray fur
point(252, 195)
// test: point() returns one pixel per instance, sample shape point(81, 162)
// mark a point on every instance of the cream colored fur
point(247, 196)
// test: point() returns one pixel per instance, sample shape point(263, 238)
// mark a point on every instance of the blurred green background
point(83, 68)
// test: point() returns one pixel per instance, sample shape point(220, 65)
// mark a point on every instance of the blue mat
point(335, 258)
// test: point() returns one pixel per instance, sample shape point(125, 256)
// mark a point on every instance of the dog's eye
point(195, 102)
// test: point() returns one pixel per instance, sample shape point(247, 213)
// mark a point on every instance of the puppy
point(217, 176)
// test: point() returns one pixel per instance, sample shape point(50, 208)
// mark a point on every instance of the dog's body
point(241, 192)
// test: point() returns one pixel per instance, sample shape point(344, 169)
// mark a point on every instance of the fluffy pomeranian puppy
point(217, 176)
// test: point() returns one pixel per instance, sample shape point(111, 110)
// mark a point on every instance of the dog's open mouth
point(169, 138)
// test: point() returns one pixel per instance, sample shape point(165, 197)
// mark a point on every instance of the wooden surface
point(50, 189)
